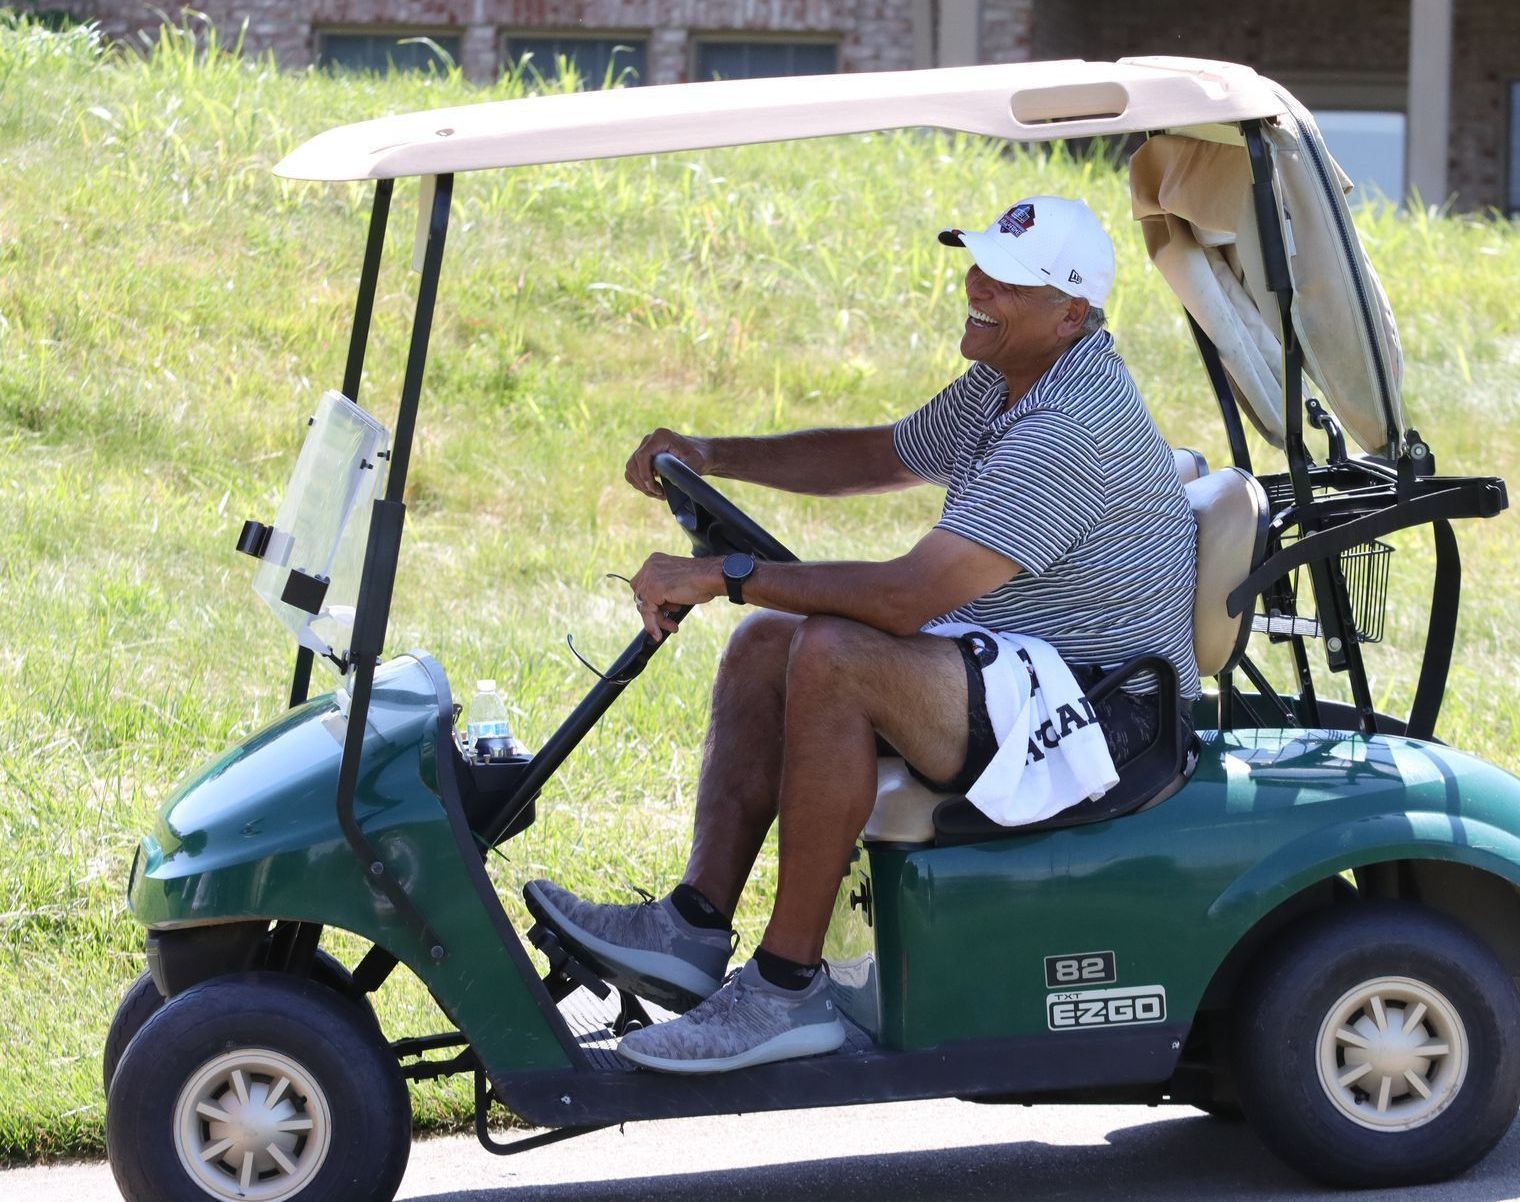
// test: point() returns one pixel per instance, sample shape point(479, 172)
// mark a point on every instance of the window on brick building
point(383, 52)
point(1369, 146)
point(758, 60)
point(597, 61)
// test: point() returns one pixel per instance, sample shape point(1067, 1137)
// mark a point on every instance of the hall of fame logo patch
point(1017, 219)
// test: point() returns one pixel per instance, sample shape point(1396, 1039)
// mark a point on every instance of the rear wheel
point(258, 1087)
point(1376, 1047)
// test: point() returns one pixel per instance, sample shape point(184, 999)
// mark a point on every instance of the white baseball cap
point(1045, 240)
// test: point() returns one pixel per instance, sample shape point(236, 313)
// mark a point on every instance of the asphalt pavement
point(911, 1152)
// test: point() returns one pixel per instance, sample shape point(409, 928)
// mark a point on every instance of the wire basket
point(1365, 570)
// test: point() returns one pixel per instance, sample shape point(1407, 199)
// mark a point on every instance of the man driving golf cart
point(1066, 545)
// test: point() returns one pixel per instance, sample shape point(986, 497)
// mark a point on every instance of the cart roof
point(1029, 102)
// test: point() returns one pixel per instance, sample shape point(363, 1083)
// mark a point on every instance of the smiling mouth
point(979, 319)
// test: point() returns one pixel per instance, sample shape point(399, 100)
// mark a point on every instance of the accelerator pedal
point(631, 1015)
point(566, 974)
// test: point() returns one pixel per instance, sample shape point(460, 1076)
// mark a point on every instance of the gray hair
point(1095, 319)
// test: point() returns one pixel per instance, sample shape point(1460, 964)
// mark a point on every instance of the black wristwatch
point(737, 568)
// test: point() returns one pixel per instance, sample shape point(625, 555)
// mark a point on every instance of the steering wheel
point(715, 525)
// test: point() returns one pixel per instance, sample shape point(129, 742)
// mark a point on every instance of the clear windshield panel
point(323, 524)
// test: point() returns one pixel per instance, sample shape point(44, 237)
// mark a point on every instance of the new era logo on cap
point(1067, 247)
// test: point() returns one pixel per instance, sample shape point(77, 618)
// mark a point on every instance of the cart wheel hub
point(1392, 1053)
point(252, 1125)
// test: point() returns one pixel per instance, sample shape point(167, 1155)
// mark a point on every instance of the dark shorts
point(1129, 720)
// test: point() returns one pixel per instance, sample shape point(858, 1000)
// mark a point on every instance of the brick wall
point(873, 35)
point(1485, 52)
point(1006, 30)
point(1348, 36)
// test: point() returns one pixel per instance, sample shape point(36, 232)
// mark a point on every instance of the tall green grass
point(169, 313)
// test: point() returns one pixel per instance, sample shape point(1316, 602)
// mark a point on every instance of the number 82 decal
point(1084, 968)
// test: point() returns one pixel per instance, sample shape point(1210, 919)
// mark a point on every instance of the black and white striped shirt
point(1076, 485)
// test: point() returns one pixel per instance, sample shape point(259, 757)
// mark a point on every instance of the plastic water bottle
point(486, 729)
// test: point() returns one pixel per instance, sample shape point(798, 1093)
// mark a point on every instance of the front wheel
point(143, 1000)
point(1376, 1047)
point(258, 1087)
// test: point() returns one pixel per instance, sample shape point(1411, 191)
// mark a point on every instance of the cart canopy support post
point(372, 611)
point(1229, 408)
point(1332, 605)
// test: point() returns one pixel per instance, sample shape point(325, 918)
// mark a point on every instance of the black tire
point(141, 1002)
point(1284, 1075)
point(143, 999)
point(346, 1110)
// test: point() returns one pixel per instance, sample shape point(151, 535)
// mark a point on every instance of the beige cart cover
point(1191, 192)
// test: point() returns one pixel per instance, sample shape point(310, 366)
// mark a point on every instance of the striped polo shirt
point(1075, 484)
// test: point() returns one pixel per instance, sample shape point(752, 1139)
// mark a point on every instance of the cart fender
point(254, 836)
point(1328, 850)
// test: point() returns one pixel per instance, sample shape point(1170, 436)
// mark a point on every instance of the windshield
point(323, 524)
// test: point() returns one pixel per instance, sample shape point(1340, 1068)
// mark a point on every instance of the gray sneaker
point(748, 1021)
point(647, 949)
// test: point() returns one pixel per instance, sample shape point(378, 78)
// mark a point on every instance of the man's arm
point(942, 572)
point(828, 463)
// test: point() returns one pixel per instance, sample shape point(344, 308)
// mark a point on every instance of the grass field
point(169, 313)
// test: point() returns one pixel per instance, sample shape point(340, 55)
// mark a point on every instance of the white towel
point(1051, 750)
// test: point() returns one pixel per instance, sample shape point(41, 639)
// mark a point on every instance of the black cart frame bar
point(382, 552)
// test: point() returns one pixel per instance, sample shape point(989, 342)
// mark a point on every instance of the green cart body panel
point(929, 945)
point(254, 834)
point(961, 935)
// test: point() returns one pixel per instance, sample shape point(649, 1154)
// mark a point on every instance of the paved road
point(918, 1151)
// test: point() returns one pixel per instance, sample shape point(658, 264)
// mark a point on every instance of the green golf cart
point(1306, 913)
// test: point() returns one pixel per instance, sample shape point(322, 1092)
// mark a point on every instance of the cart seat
point(1190, 464)
point(1232, 514)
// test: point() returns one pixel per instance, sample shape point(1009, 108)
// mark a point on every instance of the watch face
point(738, 565)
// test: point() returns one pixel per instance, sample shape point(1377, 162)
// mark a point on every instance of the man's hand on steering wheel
point(670, 583)
point(696, 453)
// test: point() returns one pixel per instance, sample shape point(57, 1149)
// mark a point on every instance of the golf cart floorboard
point(603, 1089)
point(590, 1021)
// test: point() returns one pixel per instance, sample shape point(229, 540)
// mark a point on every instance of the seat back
point(1190, 464)
point(1232, 514)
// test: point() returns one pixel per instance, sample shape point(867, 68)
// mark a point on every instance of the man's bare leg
point(741, 758)
point(845, 682)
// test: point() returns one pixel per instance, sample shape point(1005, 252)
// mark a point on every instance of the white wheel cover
point(252, 1126)
point(1392, 1053)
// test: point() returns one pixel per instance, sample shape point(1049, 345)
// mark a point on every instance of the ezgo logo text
point(1106, 1008)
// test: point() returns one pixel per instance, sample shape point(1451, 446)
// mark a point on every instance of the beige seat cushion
point(1231, 510)
point(904, 810)
point(1190, 464)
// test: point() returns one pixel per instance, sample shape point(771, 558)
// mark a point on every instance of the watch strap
point(734, 583)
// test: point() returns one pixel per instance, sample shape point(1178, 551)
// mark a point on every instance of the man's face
point(1007, 324)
